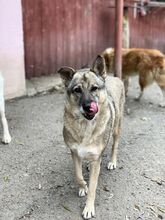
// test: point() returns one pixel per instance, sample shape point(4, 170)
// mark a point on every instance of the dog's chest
point(87, 150)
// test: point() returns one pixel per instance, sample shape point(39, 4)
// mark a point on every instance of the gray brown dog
point(93, 113)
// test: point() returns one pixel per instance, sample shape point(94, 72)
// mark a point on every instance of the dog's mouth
point(90, 110)
point(88, 116)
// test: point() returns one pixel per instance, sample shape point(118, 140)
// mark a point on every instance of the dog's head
point(85, 88)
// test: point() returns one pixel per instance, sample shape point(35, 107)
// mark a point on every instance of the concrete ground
point(43, 84)
point(37, 177)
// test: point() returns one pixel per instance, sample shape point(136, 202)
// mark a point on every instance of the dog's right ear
point(66, 74)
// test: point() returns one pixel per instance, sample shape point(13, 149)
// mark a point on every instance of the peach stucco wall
point(11, 48)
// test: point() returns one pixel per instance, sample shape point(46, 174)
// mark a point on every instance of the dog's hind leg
point(83, 189)
point(162, 104)
point(112, 164)
point(161, 82)
point(6, 135)
point(139, 96)
point(143, 84)
point(126, 85)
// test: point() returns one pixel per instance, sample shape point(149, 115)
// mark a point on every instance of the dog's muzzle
point(89, 109)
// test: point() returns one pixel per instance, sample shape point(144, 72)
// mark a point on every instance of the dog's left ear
point(66, 74)
point(98, 66)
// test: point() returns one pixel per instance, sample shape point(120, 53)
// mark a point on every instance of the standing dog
point(149, 64)
point(6, 135)
point(93, 113)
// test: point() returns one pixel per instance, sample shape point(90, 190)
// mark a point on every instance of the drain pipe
point(118, 37)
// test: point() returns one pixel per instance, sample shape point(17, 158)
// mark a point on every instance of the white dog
point(6, 135)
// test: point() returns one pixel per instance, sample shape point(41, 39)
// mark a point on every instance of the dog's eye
point(94, 88)
point(77, 90)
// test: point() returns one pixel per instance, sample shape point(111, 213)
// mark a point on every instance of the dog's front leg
point(6, 135)
point(79, 176)
point(89, 210)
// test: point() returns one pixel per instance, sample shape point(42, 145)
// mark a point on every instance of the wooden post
point(118, 37)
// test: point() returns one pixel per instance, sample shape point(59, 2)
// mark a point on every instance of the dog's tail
point(108, 55)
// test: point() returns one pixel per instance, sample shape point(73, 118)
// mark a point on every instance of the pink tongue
point(93, 108)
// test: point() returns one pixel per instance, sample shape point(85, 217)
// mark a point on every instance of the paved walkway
point(37, 178)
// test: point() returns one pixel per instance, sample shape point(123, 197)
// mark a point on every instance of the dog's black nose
point(90, 109)
point(86, 106)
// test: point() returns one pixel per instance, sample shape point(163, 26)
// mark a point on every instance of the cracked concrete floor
point(37, 178)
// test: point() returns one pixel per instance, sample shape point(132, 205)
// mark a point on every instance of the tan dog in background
point(149, 64)
point(93, 113)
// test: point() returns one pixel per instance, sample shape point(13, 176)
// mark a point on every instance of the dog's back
point(133, 59)
point(137, 61)
point(149, 64)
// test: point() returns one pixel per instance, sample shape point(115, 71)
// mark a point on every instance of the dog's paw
point(88, 212)
point(6, 139)
point(111, 165)
point(162, 105)
point(83, 191)
point(137, 99)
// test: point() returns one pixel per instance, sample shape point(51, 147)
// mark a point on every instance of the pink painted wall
point(11, 48)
